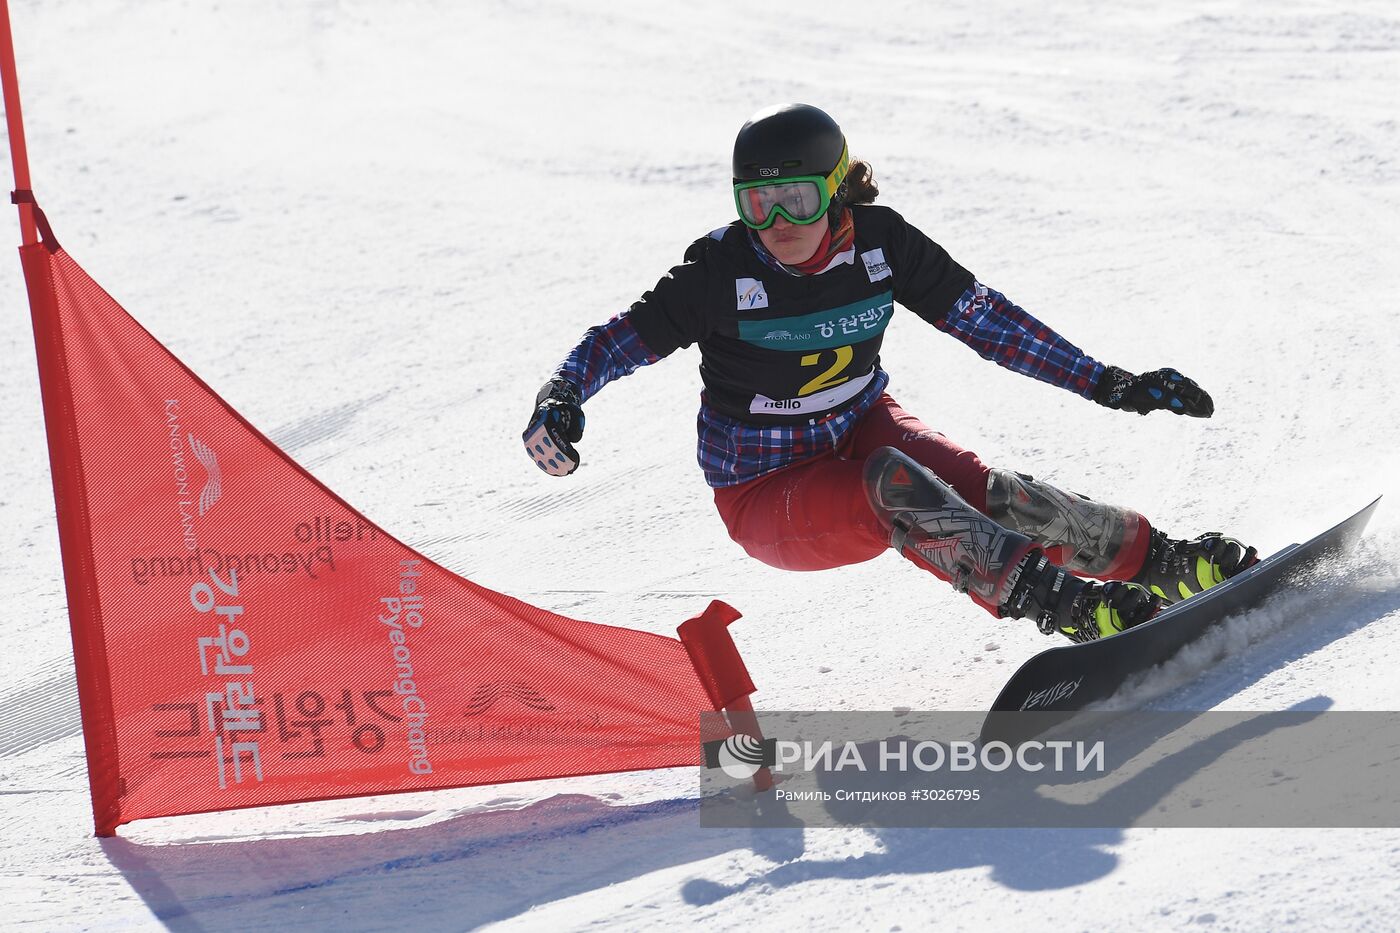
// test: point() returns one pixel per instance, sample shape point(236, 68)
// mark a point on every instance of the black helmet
point(786, 140)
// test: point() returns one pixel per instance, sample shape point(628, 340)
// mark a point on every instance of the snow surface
point(374, 227)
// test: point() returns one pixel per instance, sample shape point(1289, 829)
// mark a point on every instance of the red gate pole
point(722, 672)
point(65, 465)
point(15, 121)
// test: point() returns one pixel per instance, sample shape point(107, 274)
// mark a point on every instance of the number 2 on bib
point(828, 378)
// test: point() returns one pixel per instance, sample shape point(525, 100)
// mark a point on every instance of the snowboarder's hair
point(858, 187)
point(860, 183)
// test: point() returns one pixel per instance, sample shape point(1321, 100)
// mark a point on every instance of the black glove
point(1164, 388)
point(557, 423)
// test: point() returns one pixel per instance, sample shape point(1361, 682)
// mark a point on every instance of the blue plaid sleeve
point(1001, 331)
point(606, 352)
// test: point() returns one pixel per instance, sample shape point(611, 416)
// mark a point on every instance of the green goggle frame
point(800, 199)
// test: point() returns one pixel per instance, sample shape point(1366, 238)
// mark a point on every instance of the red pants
point(814, 515)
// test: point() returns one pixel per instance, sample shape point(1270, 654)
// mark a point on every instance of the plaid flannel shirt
point(731, 452)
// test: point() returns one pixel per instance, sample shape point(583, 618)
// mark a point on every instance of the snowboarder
point(812, 463)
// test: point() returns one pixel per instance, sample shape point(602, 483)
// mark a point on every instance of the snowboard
point(1068, 678)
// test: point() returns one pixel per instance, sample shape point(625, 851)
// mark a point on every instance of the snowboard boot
point(1081, 610)
point(1175, 570)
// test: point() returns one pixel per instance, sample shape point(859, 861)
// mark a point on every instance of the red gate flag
point(244, 637)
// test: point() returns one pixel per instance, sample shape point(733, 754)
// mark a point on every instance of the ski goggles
point(801, 199)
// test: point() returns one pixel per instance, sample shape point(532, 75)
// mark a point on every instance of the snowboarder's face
point(793, 243)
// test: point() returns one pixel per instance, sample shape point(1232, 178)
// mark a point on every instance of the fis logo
point(214, 484)
point(875, 265)
point(488, 695)
point(740, 756)
point(750, 294)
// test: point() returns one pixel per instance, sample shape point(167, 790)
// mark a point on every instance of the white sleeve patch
point(875, 265)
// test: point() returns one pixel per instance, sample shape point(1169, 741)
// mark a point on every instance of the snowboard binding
point(1175, 570)
point(1081, 610)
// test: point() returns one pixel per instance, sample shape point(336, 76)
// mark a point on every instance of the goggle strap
point(838, 174)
